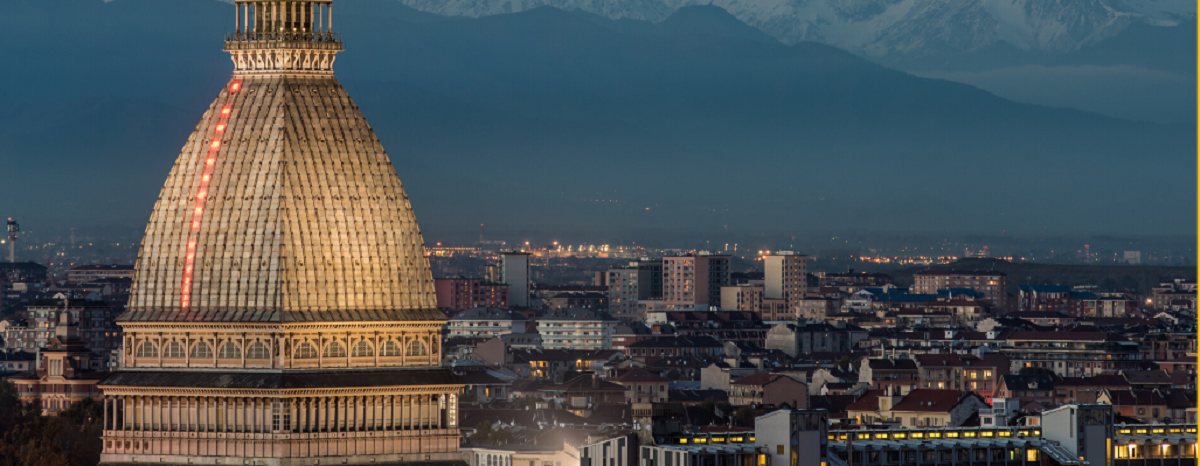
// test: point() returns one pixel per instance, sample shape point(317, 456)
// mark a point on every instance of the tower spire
point(283, 37)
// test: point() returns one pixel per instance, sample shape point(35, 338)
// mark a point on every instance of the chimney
point(595, 380)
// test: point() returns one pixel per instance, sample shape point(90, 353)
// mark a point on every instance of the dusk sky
point(640, 121)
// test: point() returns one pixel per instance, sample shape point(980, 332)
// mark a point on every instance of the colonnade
point(284, 16)
point(311, 414)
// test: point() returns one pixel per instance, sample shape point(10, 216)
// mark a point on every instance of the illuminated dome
point(283, 205)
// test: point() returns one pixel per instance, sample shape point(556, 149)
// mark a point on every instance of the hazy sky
point(555, 121)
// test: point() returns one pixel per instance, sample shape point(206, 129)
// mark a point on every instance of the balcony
point(283, 40)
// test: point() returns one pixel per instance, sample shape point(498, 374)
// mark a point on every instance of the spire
point(283, 37)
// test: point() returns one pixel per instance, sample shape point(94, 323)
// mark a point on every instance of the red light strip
point(185, 288)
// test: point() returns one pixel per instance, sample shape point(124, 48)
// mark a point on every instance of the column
point(105, 414)
point(304, 407)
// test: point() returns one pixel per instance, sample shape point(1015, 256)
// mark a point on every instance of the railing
point(292, 40)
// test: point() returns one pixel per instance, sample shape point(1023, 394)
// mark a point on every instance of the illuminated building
point(459, 293)
point(993, 285)
point(694, 282)
point(785, 277)
point(283, 310)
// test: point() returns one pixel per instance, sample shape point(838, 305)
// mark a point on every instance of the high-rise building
point(514, 272)
point(283, 309)
point(638, 281)
point(695, 280)
point(785, 277)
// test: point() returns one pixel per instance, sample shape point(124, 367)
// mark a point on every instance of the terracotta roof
point(584, 384)
point(759, 379)
point(869, 401)
point(1136, 397)
point(952, 360)
point(1099, 381)
point(1147, 377)
point(1024, 382)
point(678, 341)
point(638, 375)
point(832, 403)
point(1066, 336)
point(929, 400)
point(892, 364)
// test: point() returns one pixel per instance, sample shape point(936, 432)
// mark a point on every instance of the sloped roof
point(952, 360)
point(892, 364)
point(1136, 397)
point(1024, 382)
point(869, 401)
point(488, 313)
point(759, 379)
point(638, 376)
point(1147, 377)
point(678, 341)
point(928, 400)
point(1098, 381)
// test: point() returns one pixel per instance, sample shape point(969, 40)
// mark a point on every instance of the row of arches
point(305, 350)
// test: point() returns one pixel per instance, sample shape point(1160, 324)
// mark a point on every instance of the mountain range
point(887, 27)
point(573, 123)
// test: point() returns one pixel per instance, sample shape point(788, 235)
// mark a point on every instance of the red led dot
point(234, 87)
point(220, 127)
point(195, 225)
point(200, 195)
point(216, 144)
point(205, 177)
point(209, 162)
point(198, 210)
point(225, 111)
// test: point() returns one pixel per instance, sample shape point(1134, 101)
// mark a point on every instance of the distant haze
point(563, 121)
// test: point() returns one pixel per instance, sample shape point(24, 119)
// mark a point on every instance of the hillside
point(1112, 277)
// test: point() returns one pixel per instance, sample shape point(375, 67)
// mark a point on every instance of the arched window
point(363, 350)
point(390, 348)
point(174, 350)
point(147, 350)
point(202, 350)
point(417, 348)
point(305, 350)
point(229, 350)
point(334, 350)
point(258, 351)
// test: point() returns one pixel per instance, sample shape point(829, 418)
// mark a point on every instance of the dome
point(282, 207)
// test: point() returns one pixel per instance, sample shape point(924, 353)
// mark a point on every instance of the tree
point(673, 374)
point(28, 439)
point(745, 414)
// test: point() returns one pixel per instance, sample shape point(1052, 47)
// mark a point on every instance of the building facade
point(785, 277)
point(485, 322)
point(459, 293)
point(695, 280)
point(585, 329)
point(282, 311)
point(993, 285)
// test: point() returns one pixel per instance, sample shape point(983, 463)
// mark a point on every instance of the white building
point(485, 322)
point(587, 329)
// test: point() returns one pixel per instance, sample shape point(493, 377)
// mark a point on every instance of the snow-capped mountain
point(887, 27)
